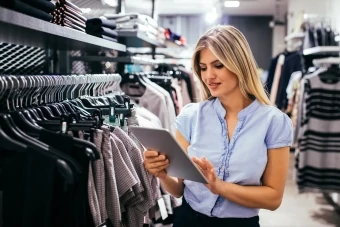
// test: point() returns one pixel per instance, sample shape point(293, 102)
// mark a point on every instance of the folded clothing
point(143, 19)
point(68, 4)
point(43, 5)
point(65, 9)
point(95, 23)
point(69, 24)
point(27, 9)
point(71, 16)
point(136, 25)
point(103, 31)
point(63, 17)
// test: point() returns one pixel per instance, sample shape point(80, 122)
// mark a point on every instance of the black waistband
point(203, 220)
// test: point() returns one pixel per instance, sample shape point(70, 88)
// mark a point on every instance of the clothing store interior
point(75, 75)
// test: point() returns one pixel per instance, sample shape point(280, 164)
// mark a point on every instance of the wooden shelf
point(18, 28)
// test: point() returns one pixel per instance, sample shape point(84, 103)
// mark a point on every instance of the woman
point(240, 142)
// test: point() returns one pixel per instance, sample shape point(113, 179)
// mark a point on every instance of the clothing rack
point(326, 61)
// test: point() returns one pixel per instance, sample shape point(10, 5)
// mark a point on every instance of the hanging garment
point(277, 75)
point(157, 106)
point(271, 73)
point(291, 64)
point(112, 195)
point(318, 135)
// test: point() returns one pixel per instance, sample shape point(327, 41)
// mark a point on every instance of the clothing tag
point(167, 201)
point(162, 208)
point(102, 225)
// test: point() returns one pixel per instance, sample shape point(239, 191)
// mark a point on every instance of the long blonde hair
point(231, 48)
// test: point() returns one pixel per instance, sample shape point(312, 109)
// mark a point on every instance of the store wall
point(258, 33)
point(255, 28)
point(279, 33)
point(324, 8)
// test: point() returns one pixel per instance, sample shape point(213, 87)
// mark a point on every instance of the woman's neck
point(233, 104)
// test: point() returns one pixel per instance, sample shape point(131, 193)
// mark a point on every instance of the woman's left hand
point(214, 183)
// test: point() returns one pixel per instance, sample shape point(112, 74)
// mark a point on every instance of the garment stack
point(40, 9)
point(102, 28)
point(137, 22)
point(69, 15)
point(317, 131)
point(170, 35)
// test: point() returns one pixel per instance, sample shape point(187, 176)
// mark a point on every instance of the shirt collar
point(241, 115)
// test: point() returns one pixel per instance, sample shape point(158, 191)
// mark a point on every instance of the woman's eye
point(203, 69)
point(219, 66)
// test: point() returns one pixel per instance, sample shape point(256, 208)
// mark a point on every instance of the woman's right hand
point(155, 163)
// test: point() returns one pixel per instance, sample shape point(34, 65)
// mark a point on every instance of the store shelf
point(321, 50)
point(138, 39)
point(17, 28)
point(295, 35)
point(131, 60)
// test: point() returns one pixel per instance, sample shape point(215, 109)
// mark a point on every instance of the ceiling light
point(232, 3)
point(211, 16)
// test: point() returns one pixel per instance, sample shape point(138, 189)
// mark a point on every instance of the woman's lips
point(213, 86)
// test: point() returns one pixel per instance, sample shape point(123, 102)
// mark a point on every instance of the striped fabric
point(318, 136)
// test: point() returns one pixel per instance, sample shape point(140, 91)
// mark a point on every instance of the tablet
point(181, 165)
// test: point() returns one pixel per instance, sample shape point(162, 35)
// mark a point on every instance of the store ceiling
point(169, 7)
point(247, 7)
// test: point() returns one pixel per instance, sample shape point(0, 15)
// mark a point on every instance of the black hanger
point(12, 130)
point(331, 75)
point(133, 79)
point(23, 123)
point(9, 143)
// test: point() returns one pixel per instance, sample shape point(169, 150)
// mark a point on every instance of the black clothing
point(185, 216)
point(96, 23)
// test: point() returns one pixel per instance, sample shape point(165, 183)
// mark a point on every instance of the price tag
point(167, 201)
point(162, 208)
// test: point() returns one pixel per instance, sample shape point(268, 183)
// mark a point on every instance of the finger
point(199, 162)
point(157, 164)
point(207, 163)
point(155, 159)
point(159, 168)
point(213, 174)
point(150, 153)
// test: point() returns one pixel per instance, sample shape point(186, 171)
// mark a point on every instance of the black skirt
point(185, 216)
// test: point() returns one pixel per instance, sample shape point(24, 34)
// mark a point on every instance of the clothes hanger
point(88, 147)
point(14, 145)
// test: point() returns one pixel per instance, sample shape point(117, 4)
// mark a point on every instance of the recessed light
point(232, 4)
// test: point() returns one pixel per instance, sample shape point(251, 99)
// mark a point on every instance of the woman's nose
point(210, 73)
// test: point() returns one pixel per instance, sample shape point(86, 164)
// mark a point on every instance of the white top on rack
point(321, 49)
point(295, 35)
point(326, 61)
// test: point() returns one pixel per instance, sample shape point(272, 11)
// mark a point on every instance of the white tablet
point(181, 165)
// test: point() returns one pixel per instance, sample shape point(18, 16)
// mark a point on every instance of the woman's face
point(219, 80)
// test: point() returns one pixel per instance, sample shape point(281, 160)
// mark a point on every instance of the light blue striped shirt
point(242, 160)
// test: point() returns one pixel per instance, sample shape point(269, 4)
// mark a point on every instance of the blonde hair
point(231, 48)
